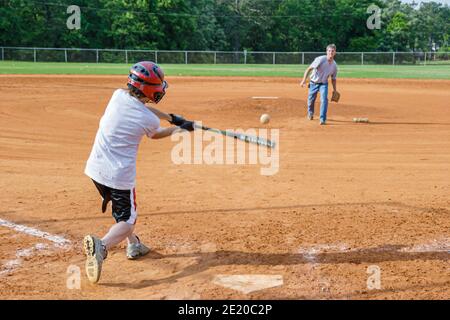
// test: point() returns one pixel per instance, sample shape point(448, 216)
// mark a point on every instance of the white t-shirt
point(323, 69)
point(113, 157)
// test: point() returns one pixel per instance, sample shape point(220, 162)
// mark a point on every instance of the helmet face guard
point(157, 96)
point(148, 78)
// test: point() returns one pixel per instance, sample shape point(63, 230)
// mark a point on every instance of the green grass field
point(345, 71)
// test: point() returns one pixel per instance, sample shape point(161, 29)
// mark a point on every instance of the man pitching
point(322, 67)
point(112, 162)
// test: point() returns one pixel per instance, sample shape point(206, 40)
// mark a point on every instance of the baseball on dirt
point(265, 118)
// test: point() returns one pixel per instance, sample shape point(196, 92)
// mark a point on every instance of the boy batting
point(322, 68)
point(112, 162)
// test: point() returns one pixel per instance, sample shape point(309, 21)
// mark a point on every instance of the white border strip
point(57, 240)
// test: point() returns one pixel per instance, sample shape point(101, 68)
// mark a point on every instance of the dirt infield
point(348, 197)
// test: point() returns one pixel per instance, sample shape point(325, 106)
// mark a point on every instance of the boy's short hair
point(135, 92)
point(331, 46)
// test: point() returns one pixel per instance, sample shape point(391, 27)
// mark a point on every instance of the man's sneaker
point(95, 254)
point(322, 122)
point(136, 250)
point(310, 116)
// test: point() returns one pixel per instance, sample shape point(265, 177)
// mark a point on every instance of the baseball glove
point(336, 96)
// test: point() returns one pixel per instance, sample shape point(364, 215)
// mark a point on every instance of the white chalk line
point(58, 242)
point(437, 245)
point(14, 264)
point(310, 253)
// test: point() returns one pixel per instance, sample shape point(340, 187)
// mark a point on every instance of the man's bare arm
point(305, 76)
point(333, 82)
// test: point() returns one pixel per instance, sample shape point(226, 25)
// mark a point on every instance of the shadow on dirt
point(223, 258)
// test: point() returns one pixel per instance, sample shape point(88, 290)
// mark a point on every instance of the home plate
point(268, 98)
point(248, 283)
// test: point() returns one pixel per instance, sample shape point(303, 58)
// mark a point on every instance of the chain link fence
point(217, 57)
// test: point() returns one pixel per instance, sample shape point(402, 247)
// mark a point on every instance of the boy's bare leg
point(118, 232)
point(132, 239)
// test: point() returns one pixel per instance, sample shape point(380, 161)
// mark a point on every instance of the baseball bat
point(240, 136)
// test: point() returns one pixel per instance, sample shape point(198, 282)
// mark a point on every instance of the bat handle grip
point(200, 127)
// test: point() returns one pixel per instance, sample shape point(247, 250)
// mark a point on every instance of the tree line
point(254, 25)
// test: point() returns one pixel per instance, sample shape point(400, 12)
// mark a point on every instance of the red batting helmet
point(148, 78)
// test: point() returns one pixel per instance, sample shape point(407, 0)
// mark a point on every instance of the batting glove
point(176, 119)
point(188, 125)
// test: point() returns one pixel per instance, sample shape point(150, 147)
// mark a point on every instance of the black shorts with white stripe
point(123, 202)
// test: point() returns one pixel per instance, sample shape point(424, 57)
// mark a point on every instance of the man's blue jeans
point(314, 88)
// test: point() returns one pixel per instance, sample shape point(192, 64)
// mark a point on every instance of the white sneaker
point(136, 250)
point(95, 254)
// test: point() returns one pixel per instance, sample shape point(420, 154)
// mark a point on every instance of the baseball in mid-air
point(265, 118)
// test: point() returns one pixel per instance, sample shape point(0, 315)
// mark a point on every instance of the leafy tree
point(432, 25)
point(258, 25)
